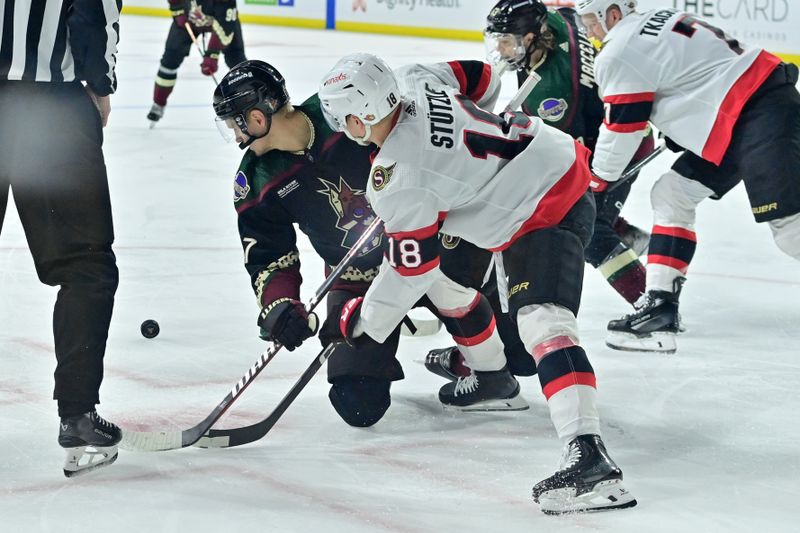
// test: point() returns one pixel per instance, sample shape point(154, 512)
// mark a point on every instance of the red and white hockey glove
point(341, 322)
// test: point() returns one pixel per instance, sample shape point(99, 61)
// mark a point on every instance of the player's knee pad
point(786, 232)
point(675, 198)
point(451, 298)
point(360, 400)
point(539, 324)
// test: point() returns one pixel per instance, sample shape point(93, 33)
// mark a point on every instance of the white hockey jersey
point(449, 165)
point(687, 77)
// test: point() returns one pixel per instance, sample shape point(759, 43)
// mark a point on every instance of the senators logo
point(449, 242)
point(381, 176)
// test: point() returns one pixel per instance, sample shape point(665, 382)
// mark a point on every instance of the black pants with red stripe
point(764, 151)
point(179, 44)
point(51, 158)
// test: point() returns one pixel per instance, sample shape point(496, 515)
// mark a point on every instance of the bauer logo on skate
point(381, 176)
point(240, 186)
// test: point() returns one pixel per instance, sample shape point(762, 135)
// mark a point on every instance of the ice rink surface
point(707, 437)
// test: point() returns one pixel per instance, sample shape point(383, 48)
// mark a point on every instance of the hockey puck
point(150, 328)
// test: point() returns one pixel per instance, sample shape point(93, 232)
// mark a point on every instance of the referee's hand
point(103, 105)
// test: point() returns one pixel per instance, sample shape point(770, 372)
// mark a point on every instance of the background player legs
point(178, 45)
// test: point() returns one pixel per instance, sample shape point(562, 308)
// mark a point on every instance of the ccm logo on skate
point(518, 287)
point(765, 208)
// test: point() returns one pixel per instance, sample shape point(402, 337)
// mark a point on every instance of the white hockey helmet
point(362, 85)
point(599, 8)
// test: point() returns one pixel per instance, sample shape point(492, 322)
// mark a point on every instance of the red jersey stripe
point(632, 98)
point(559, 199)
point(738, 95)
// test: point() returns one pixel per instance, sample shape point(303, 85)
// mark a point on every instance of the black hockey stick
point(228, 438)
point(633, 169)
point(154, 441)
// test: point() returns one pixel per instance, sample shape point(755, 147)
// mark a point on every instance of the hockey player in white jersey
point(732, 109)
point(509, 184)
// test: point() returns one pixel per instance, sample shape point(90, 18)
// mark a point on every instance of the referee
point(57, 61)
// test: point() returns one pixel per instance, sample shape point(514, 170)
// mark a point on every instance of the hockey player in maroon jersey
point(298, 171)
point(732, 109)
point(509, 184)
point(219, 19)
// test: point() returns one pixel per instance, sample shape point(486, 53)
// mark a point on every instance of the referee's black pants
point(51, 158)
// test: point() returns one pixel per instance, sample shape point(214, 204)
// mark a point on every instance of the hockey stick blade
point(228, 438)
point(158, 441)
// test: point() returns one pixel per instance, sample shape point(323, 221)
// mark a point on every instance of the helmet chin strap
point(363, 141)
point(252, 138)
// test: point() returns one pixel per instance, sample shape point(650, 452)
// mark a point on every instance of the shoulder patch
point(552, 109)
point(240, 187)
point(381, 176)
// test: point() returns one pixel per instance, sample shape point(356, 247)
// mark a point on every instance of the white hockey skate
point(587, 480)
point(90, 442)
point(155, 114)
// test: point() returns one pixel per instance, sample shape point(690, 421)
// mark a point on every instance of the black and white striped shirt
point(60, 41)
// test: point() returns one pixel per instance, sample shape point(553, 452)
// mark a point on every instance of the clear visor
point(504, 50)
point(227, 128)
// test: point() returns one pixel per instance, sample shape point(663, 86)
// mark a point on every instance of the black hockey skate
point(654, 325)
point(441, 362)
point(587, 480)
point(90, 441)
point(155, 114)
point(495, 390)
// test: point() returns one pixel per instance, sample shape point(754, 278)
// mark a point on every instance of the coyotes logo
point(354, 212)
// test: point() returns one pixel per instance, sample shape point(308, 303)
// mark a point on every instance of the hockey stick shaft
point(197, 45)
point(636, 167)
point(524, 90)
point(171, 440)
point(227, 439)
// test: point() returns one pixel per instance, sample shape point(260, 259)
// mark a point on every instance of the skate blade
point(83, 459)
point(153, 124)
point(661, 342)
point(605, 496)
point(517, 403)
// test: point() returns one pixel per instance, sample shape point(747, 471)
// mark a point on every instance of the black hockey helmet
point(251, 84)
point(507, 24)
point(517, 17)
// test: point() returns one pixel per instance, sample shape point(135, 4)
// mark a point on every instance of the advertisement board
point(770, 24)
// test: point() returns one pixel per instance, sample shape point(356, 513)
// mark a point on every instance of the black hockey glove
point(341, 322)
point(286, 321)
